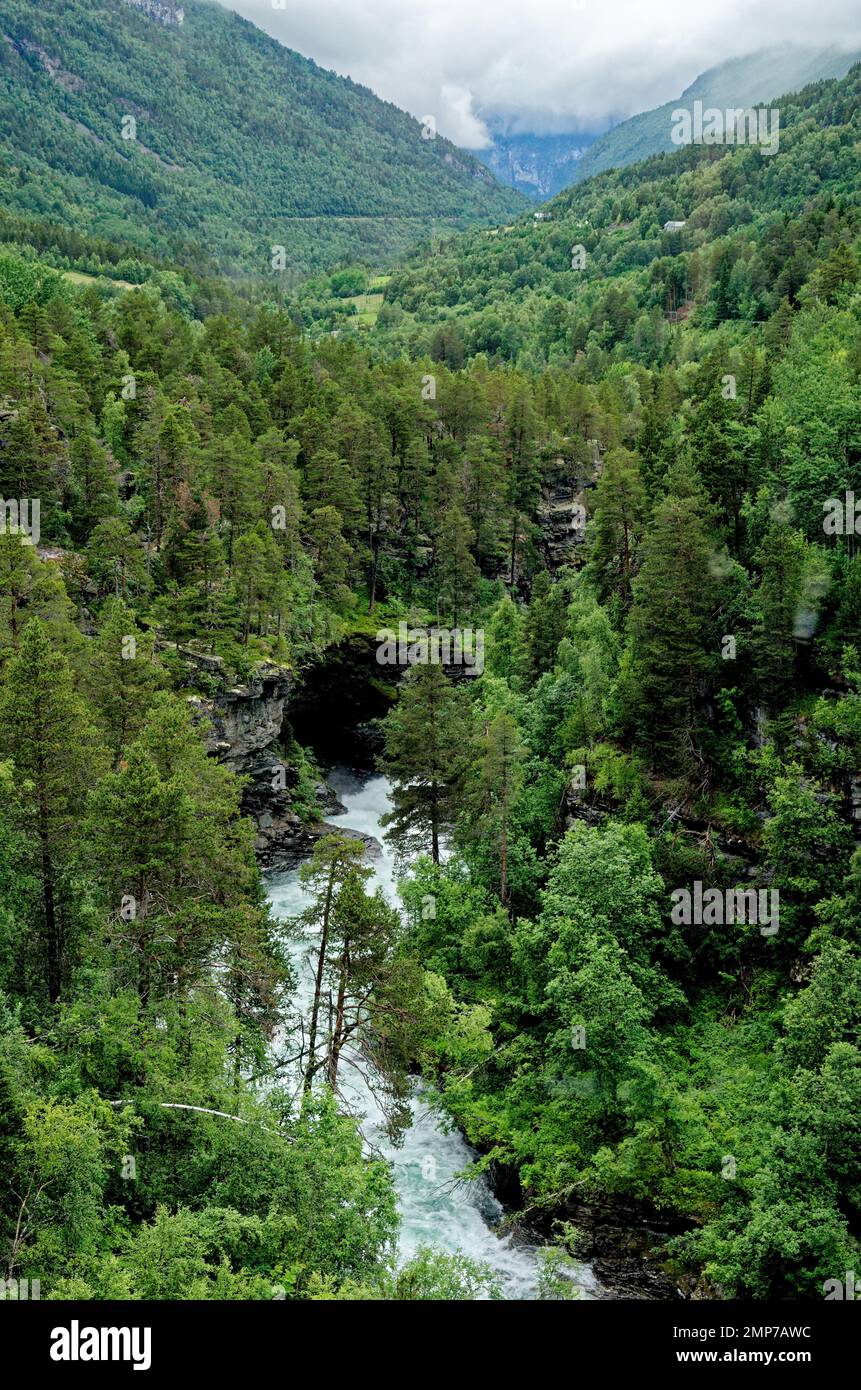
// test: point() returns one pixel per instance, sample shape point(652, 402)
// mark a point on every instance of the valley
point(430, 688)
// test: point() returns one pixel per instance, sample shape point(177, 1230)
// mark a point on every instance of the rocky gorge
point(256, 726)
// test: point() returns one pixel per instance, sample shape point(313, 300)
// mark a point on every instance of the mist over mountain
point(541, 165)
point(537, 165)
point(756, 79)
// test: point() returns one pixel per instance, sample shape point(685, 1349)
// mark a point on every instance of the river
point(436, 1208)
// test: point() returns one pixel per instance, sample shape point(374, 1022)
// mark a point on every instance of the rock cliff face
point(249, 725)
point(246, 720)
point(244, 730)
point(246, 723)
point(564, 506)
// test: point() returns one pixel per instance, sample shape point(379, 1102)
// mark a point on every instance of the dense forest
point(188, 135)
point(670, 703)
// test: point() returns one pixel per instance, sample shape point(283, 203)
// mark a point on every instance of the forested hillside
point(621, 475)
point(751, 234)
point(185, 133)
point(753, 80)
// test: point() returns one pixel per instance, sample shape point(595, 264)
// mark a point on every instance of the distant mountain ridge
point(543, 165)
point(537, 165)
point(187, 132)
point(753, 80)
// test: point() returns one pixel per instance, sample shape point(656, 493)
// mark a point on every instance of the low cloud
point(547, 66)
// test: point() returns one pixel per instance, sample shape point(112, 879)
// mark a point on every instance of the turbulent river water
point(437, 1207)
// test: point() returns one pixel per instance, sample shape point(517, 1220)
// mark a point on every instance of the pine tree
point(671, 626)
point(329, 483)
point(116, 559)
point(841, 268)
point(230, 467)
point(122, 676)
point(543, 626)
point(331, 554)
point(375, 474)
point(30, 588)
point(722, 297)
point(46, 731)
point(364, 932)
point(496, 789)
point(193, 557)
point(256, 570)
point(140, 828)
point(523, 478)
point(92, 485)
point(334, 859)
point(845, 628)
point(782, 558)
point(650, 441)
point(33, 456)
point(484, 492)
point(411, 484)
point(505, 640)
point(457, 572)
point(717, 450)
point(754, 380)
point(425, 738)
point(174, 860)
point(280, 485)
point(618, 512)
point(778, 330)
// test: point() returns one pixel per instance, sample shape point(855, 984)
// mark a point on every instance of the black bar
point(612, 1335)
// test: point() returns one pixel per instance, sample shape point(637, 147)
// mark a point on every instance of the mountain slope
point(754, 79)
point(190, 133)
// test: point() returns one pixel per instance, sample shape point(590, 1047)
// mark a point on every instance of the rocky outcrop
point(243, 728)
point(246, 720)
point(564, 506)
point(283, 840)
point(622, 1242)
point(162, 13)
point(624, 1245)
point(248, 725)
point(52, 66)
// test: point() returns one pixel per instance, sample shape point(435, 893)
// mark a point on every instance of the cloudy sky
point(545, 65)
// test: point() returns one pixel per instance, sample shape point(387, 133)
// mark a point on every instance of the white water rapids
point(435, 1208)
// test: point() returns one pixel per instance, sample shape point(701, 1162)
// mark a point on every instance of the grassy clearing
point(78, 277)
point(367, 308)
